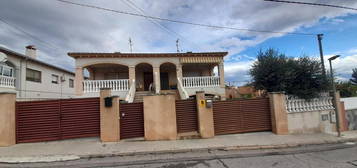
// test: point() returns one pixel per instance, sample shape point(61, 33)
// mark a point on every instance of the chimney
point(31, 51)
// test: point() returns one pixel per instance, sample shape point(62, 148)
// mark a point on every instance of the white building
point(33, 79)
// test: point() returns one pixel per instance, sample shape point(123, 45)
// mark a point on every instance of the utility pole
point(177, 45)
point(319, 38)
point(130, 45)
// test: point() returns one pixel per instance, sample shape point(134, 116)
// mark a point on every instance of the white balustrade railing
point(7, 82)
point(115, 85)
point(200, 81)
point(294, 104)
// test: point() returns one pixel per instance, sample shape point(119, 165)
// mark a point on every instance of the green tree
point(354, 76)
point(347, 89)
point(274, 71)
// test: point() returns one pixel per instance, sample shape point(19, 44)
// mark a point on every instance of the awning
point(201, 59)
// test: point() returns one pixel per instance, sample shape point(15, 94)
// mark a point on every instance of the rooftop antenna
point(130, 45)
point(177, 45)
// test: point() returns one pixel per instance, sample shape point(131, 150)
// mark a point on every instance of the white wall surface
point(309, 122)
point(28, 90)
point(350, 103)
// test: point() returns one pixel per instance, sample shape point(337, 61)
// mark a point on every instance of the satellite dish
point(3, 57)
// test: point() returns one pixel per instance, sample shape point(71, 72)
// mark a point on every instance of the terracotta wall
point(160, 117)
point(7, 119)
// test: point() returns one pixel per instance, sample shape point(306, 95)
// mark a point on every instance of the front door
point(148, 79)
point(164, 81)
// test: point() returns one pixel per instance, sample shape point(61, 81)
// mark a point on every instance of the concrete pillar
point(344, 122)
point(160, 117)
point(131, 74)
point(78, 81)
point(340, 110)
point(279, 115)
point(205, 116)
point(156, 71)
point(179, 71)
point(7, 119)
point(221, 74)
point(109, 118)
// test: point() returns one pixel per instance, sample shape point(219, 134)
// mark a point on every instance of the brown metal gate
point(131, 120)
point(80, 118)
point(186, 116)
point(38, 121)
point(237, 116)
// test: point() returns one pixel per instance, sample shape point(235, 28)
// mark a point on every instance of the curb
point(231, 148)
point(61, 158)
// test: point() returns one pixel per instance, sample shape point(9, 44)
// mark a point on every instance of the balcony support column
point(179, 71)
point(78, 81)
point(131, 74)
point(156, 71)
point(221, 74)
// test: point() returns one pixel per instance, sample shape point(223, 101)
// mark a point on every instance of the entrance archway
point(144, 77)
point(168, 76)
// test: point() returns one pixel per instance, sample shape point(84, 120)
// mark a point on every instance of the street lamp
point(334, 95)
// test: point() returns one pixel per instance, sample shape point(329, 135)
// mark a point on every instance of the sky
point(56, 28)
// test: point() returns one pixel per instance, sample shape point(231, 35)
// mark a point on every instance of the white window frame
point(4, 68)
point(56, 77)
point(70, 83)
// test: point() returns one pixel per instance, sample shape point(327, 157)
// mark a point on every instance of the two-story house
point(32, 78)
point(133, 75)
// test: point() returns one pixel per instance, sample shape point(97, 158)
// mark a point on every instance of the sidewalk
point(92, 147)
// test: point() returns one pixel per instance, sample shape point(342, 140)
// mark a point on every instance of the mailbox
point(108, 101)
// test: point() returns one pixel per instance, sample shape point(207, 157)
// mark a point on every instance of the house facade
point(33, 79)
point(133, 75)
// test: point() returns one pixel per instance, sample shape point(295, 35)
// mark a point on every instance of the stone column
point(221, 74)
point(131, 74)
point(205, 116)
point(279, 115)
point(156, 71)
point(78, 81)
point(7, 119)
point(179, 71)
point(109, 118)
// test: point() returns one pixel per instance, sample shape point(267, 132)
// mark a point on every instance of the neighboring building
point(32, 78)
point(234, 92)
point(132, 75)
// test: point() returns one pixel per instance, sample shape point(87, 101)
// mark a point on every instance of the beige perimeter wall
point(160, 117)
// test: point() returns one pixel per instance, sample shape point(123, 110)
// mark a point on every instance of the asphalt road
point(328, 155)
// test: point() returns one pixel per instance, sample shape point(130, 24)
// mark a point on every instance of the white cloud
point(342, 66)
point(76, 29)
point(238, 71)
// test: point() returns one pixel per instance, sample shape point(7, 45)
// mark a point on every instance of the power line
point(314, 4)
point(151, 20)
point(182, 22)
point(28, 34)
point(170, 31)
